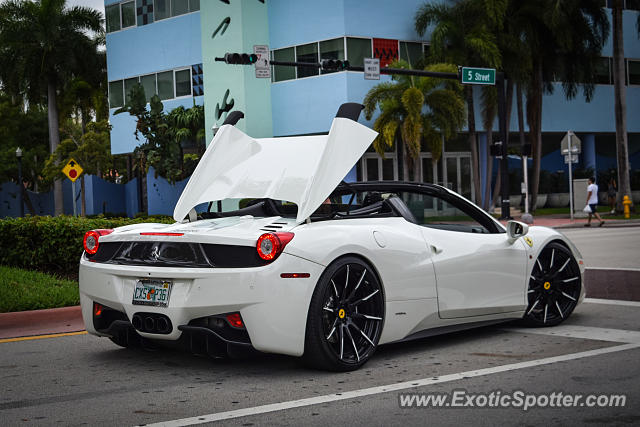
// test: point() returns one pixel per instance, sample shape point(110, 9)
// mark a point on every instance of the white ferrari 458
point(271, 251)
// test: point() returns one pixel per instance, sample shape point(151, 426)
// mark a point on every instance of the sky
point(96, 4)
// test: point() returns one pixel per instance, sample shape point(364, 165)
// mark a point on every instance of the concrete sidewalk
point(37, 322)
point(563, 221)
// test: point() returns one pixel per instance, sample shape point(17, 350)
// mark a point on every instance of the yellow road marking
point(39, 337)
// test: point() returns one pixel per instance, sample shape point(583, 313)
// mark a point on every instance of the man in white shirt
point(592, 201)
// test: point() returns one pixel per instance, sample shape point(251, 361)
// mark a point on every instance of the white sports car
point(271, 251)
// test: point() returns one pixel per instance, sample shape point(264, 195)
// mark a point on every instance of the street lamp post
point(20, 185)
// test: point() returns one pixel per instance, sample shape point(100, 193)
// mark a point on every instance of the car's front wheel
point(346, 316)
point(554, 286)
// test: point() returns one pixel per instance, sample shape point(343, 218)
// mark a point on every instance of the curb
point(40, 322)
point(617, 223)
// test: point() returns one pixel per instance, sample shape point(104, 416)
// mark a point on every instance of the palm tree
point(402, 114)
point(463, 34)
point(563, 40)
point(620, 103)
point(42, 45)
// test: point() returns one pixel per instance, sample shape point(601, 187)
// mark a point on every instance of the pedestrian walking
point(592, 202)
point(611, 194)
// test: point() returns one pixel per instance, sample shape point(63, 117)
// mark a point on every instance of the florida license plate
point(154, 292)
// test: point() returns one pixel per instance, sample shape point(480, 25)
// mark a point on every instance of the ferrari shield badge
point(528, 240)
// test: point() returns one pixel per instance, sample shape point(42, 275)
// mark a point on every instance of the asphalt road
point(614, 247)
point(85, 380)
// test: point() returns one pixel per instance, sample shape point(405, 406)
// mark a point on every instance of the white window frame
point(387, 156)
point(135, 15)
point(628, 76)
point(109, 93)
point(170, 3)
point(175, 83)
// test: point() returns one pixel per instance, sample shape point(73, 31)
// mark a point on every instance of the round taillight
point(91, 240)
point(270, 245)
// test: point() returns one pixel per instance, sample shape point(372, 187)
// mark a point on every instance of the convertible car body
point(304, 265)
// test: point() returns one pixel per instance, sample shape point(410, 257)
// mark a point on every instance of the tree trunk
point(534, 118)
point(620, 105)
point(473, 144)
point(83, 201)
point(407, 162)
point(54, 140)
point(521, 121)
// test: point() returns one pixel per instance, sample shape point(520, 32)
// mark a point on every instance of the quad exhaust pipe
point(152, 323)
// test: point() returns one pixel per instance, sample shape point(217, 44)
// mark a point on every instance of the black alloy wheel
point(346, 316)
point(554, 286)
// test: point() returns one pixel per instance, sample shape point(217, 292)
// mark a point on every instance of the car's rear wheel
point(554, 286)
point(346, 316)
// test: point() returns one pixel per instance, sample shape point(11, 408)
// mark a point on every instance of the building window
point(357, 50)
point(179, 7)
point(411, 52)
point(128, 85)
point(116, 97)
point(148, 83)
point(161, 9)
point(165, 85)
point(603, 72)
point(307, 53)
point(113, 17)
point(120, 16)
point(168, 8)
point(128, 14)
point(281, 72)
point(332, 49)
point(183, 83)
point(632, 4)
point(633, 71)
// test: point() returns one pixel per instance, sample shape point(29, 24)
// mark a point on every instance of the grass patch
point(22, 290)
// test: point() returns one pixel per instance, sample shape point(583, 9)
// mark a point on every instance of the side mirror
point(516, 229)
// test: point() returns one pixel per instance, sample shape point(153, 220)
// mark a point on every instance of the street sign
point(72, 170)
point(263, 69)
point(576, 144)
point(372, 68)
point(479, 76)
point(570, 158)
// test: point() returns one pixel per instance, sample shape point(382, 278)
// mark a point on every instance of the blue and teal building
point(169, 47)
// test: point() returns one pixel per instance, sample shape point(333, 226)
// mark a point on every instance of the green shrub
point(52, 244)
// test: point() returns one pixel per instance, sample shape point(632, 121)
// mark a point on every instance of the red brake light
point(91, 238)
point(270, 245)
point(235, 320)
point(97, 309)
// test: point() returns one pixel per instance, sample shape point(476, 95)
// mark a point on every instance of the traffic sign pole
point(73, 195)
point(570, 179)
point(504, 161)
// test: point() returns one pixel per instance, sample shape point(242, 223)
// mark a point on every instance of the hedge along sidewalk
point(22, 290)
point(53, 244)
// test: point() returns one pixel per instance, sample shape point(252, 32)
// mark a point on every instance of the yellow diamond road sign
point(72, 170)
